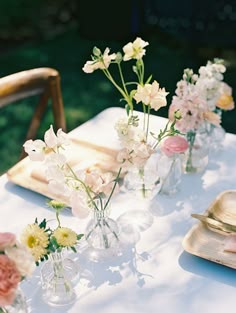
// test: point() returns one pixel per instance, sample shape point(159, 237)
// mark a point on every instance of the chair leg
point(37, 117)
point(57, 103)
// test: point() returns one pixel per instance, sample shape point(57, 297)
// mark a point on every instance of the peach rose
point(212, 118)
point(225, 102)
point(9, 280)
point(7, 240)
point(174, 144)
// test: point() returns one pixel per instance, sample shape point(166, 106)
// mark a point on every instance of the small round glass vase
point(102, 232)
point(19, 304)
point(197, 155)
point(57, 276)
point(170, 173)
point(143, 180)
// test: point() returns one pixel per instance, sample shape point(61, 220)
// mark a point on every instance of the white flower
point(107, 59)
point(23, 259)
point(53, 140)
point(151, 94)
point(79, 204)
point(122, 127)
point(53, 172)
point(62, 138)
point(58, 188)
point(101, 62)
point(55, 159)
point(50, 138)
point(135, 50)
point(35, 149)
point(90, 67)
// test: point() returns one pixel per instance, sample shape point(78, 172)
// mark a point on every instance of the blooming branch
point(150, 95)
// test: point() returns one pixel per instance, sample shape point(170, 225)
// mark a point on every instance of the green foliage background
point(50, 33)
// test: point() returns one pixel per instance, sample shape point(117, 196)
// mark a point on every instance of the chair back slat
point(44, 82)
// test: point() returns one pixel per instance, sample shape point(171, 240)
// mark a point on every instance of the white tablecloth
point(156, 274)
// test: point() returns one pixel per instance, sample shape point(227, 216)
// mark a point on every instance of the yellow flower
point(36, 240)
point(65, 236)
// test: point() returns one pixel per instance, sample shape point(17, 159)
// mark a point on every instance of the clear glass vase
point(19, 304)
point(170, 173)
point(57, 276)
point(102, 232)
point(143, 180)
point(216, 137)
point(216, 134)
point(196, 156)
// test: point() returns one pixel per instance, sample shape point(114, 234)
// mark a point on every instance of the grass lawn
point(85, 95)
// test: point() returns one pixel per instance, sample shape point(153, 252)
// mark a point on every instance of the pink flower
point(9, 280)
point(174, 144)
point(7, 240)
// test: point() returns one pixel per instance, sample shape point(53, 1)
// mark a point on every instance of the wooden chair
point(44, 82)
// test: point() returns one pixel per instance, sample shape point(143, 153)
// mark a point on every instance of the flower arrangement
point(218, 96)
point(82, 187)
point(16, 264)
point(135, 138)
point(200, 98)
point(212, 87)
point(41, 240)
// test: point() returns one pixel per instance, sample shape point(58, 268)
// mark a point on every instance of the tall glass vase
point(102, 232)
point(216, 137)
point(196, 156)
point(57, 276)
point(170, 172)
point(19, 304)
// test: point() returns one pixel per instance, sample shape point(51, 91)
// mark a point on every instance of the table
point(156, 274)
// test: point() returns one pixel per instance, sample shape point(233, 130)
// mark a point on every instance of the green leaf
point(132, 93)
point(135, 69)
point(43, 224)
point(149, 79)
point(73, 249)
point(127, 108)
point(79, 236)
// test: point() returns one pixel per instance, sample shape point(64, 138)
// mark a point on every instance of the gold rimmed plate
point(206, 242)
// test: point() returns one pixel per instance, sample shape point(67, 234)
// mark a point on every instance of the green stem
point(113, 189)
point(83, 184)
point(191, 135)
point(57, 217)
point(123, 93)
point(148, 117)
point(144, 117)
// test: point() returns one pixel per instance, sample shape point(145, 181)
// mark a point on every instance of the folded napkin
point(82, 155)
point(230, 243)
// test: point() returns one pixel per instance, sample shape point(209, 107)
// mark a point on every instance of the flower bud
point(96, 51)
